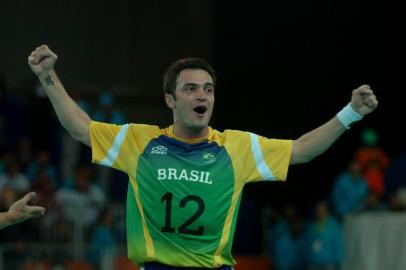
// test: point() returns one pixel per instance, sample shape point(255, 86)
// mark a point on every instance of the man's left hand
point(363, 100)
point(20, 211)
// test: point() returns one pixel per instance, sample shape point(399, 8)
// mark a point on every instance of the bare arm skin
point(315, 142)
point(71, 116)
point(20, 211)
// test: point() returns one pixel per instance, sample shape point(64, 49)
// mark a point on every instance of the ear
point(169, 101)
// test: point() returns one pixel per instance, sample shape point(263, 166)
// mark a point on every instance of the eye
point(209, 89)
point(190, 88)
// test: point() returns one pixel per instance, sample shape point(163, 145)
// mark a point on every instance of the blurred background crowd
point(283, 68)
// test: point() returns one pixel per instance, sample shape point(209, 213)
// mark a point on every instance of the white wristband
point(347, 116)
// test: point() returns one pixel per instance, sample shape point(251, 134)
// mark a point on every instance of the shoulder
point(229, 134)
point(229, 137)
point(134, 127)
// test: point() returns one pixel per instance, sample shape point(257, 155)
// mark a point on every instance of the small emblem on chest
point(159, 150)
point(209, 158)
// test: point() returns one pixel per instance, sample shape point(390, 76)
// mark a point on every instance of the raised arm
point(71, 116)
point(20, 211)
point(315, 142)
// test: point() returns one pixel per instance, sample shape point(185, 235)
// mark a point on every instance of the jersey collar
point(171, 134)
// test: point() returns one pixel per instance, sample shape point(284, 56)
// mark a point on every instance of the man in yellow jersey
point(20, 211)
point(186, 180)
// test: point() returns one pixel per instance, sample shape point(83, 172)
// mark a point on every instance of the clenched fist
point(41, 60)
point(363, 100)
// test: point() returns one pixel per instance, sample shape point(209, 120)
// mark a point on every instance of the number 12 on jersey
point(167, 198)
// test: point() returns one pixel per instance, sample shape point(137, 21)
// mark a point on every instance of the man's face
point(194, 101)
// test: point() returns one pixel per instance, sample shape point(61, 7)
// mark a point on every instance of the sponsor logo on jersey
point(159, 150)
point(186, 175)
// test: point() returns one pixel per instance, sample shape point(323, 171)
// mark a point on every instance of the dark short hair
point(172, 73)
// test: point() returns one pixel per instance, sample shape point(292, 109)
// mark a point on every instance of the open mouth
point(200, 109)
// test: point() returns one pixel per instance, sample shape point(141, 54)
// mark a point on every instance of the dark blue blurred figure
point(395, 174)
point(2, 105)
point(107, 111)
point(25, 152)
point(287, 241)
point(350, 190)
point(324, 241)
point(13, 177)
point(42, 163)
point(12, 116)
point(249, 227)
point(2, 163)
point(103, 241)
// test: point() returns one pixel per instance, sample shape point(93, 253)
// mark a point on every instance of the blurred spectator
point(53, 228)
point(25, 152)
point(286, 242)
point(2, 162)
point(83, 203)
point(7, 197)
point(2, 104)
point(107, 110)
point(374, 203)
point(103, 241)
point(324, 241)
point(395, 175)
point(13, 177)
point(42, 163)
point(350, 190)
point(373, 161)
point(395, 202)
point(2, 87)
point(43, 186)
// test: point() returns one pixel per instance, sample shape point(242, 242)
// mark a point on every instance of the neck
point(189, 133)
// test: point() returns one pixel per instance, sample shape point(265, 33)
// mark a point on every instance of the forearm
point(71, 116)
point(4, 220)
point(317, 141)
point(314, 143)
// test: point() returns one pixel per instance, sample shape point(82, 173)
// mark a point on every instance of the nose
point(201, 94)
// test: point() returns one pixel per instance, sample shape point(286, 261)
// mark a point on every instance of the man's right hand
point(42, 60)
point(72, 117)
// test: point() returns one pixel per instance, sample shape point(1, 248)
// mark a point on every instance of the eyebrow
point(195, 84)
